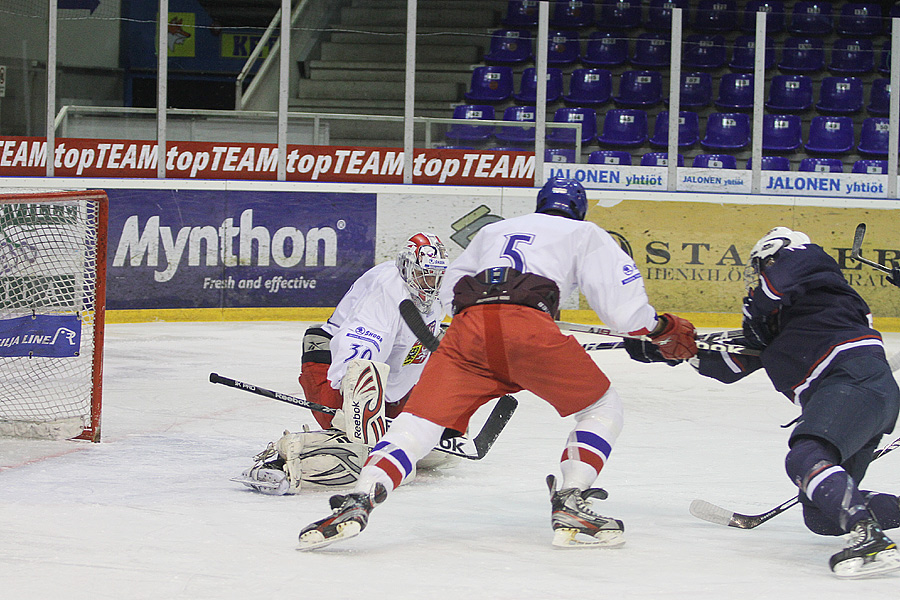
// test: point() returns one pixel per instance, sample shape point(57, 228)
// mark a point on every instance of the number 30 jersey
point(366, 324)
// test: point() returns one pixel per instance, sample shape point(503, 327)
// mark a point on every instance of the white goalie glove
point(320, 459)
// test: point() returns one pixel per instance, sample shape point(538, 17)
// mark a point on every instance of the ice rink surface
point(151, 513)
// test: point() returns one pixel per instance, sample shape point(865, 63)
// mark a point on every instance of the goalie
point(363, 361)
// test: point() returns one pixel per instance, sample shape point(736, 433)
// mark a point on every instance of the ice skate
point(350, 515)
point(870, 553)
point(575, 525)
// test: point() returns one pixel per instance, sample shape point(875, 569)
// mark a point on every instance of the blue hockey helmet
point(563, 196)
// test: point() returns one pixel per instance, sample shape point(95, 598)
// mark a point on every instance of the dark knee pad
point(808, 455)
point(885, 507)
point(818, 523)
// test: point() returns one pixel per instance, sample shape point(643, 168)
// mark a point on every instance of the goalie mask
point(565, 197)
point(422, 263)
point(766, 248)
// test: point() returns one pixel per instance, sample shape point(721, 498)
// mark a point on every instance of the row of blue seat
point(641, 89)
point(807, 18)
point(653, 50)
point(724, 131)
point(700, 51)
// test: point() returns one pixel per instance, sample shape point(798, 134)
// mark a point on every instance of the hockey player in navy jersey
point(820, 350)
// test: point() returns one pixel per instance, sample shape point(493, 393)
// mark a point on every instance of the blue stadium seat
point(589, 87)
point(517, 135)
point(453, 147)
point(880, 97)
point(521, 13)
point(830, 135)
point(511, 149)
point(624, 127)
point(527, 93)
point(639, 89)
point(688, 129)
point(772, 163)
point(652, 51)
point(509, 47)
point(696, 90)
point(659, 14)
point(659, 159)
point(572, 14)
point(743, 56)
point(560, 155)
point(852, 56)
point(859, 18)
point(873, 136)
point(840, 96)
point(605, 49)
point(802, 55)
point(884, 60)
point(609, 157)
point(715, 15)
point(471, 133)
point(790, 93)
point(781, 133)
point(774, 15)
point(491, 84)
point(871, 166)
point(735, 92)
point(586, 116)
point(811, 18)
point(619, 14)
point(704, 52)
point(714, 161)
point(821, 165)
point(564, 48)
point(726, 131)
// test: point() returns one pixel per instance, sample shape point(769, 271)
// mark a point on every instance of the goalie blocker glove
point(675, 337)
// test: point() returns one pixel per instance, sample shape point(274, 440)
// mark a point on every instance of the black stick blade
point(858, 240)
point(417, 325)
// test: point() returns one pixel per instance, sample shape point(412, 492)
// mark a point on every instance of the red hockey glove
point(675, 337)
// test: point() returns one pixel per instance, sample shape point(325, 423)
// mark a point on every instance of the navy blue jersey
point(817, 319)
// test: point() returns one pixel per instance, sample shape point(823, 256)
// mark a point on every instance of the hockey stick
point(473, 449)
point(417, 325)
point(720, 516)
point(855, 252)
point(716, 341)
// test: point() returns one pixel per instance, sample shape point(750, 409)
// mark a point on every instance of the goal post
point(52, 313)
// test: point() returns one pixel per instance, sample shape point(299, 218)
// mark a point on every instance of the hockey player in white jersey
point(504, 290)
point(364, 361)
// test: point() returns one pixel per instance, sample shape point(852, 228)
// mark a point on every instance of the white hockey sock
point(393, 459)
point(590, 443)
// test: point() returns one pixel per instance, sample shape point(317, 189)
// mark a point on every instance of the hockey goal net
point(52, 302)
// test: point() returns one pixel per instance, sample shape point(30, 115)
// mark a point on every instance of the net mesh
point(49, 266)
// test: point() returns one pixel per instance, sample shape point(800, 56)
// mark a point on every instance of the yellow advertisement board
point(693, 254)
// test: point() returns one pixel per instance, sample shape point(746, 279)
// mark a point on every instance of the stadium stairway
point(361, 64)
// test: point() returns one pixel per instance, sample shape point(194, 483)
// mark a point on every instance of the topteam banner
point(209, 249)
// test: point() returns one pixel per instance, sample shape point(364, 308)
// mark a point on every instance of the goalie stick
point(721, 516)
point(473, 449)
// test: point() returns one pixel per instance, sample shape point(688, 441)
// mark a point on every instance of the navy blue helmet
point(563, 196)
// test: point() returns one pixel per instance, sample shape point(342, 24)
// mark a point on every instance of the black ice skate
point(870, 553)
point(350, 515)
point(575, 525)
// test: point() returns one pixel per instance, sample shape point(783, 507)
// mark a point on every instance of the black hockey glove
point(647, 352)
point(894, 277)
point(759, 331)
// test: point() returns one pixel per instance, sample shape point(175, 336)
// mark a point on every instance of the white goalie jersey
point(367, 325)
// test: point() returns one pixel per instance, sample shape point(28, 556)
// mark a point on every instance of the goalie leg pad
point(320, 459)
point(362, 389)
